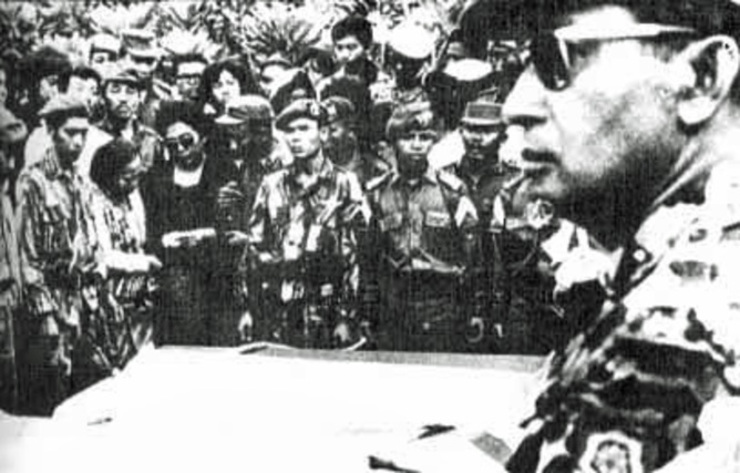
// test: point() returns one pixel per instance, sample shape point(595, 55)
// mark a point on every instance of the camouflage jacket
point(307, 232)
point(630, 388)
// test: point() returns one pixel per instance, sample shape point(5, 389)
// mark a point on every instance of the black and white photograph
point(357, 236)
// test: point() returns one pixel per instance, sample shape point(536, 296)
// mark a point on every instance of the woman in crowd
point(115, 230)
point(225, 80)
point(182, 227)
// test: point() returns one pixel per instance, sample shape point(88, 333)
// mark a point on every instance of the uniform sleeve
point(107, 258)
point(31, 201)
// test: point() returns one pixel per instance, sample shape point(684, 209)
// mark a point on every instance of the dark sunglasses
point(550, 54)
point(186, 141)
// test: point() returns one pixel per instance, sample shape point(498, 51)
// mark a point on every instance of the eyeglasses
point(185, 142)
point(550, 53)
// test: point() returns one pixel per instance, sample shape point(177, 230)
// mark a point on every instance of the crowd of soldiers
point(348, 203)
point(329, 204)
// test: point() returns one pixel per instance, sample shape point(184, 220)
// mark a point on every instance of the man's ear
point(324, 134)
point(705, 72)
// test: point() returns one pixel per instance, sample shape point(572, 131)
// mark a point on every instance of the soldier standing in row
point(342, 145)
point(50, 206)
point(482, 132)
point(247, 153)
point(302, 238)
point(426, 236)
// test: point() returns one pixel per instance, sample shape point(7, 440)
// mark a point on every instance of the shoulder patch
point(450, 181)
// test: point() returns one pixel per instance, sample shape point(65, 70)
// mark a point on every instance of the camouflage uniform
point(425, 236)
point(302, 246)
point(668, 333)
point(118, 320)
point(10, 300)
point(50, 209)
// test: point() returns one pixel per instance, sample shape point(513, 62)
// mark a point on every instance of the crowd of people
point(365, 201)
point(344, 202)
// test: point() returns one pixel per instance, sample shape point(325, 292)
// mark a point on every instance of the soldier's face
point(303, 136)
point(348, 49)
point(414, 145)
point(122, 100)
point(69, 139)
point(611, 130)
point(481, 141)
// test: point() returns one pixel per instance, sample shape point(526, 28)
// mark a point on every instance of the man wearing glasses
point(629, 116)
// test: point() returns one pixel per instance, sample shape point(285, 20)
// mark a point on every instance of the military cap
point(245, 107)
point(480, 112)
point(338, 108)
point(301, 108)
point(12, 128)
point(412, 41)
point(412, 116)
point(63, 103)
point(105, 42)
point(356, 26)
point(118, 72)
point(139, 43)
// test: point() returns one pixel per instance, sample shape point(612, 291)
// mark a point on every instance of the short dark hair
point(45, 61)
point(356, 26)
point(83, 72)
point(238, 69)
point(109, 160)
point(56, 120)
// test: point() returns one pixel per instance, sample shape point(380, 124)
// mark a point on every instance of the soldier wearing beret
point(302, 238)
point(425, 223)
point(50, 206)
point(629, 118)
point(342, 143)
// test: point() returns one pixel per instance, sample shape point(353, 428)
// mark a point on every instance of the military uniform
point(147, 141)
point(50, 209)
point(113, 331)
point(302, 245)
point(424, 237)
point(10, 300)
point(487, 294)
point(668, 333)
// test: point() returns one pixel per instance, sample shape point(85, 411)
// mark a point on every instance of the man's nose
point(525, 103)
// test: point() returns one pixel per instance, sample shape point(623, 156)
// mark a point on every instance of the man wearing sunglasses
point(629, 117)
